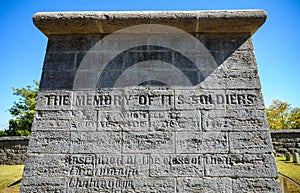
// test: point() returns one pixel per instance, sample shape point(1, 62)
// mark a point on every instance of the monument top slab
point(98, 22)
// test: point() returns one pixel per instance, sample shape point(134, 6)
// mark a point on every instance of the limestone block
point(208, 185)
point(65, 120)
point(51, 120)
point(121, 185)
point(233, 79)
point(225, 41)
point(54, 100)
point(145, 185)
point(47, 165)
point(125, 40)
point(176, 165)
point(49, 142)
point(148, 142)
point(263, 185)
point(142, 99)
point(199, 99)
point(102, 100)
point(123, 121)
point(240, 165)
point(85, 120)
point(57, 79)
point(44, 184)
point(175, 120)
point(81, 165)
point(93, 184)
point(245, 21)
point(87, 60)
point(250, 142)
point(95, 142)
point(73, 43)
point(59, 61)
point(234, 120)
point(122, 165)
point(244, 99)
point(202, 142)
point(244, 59)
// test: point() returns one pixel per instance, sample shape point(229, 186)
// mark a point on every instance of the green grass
point(291, 170)
point(8, 175)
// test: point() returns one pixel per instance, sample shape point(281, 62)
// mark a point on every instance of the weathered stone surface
point(96, 142)
point(122, 165)
point(202, 142)
point(148, 142)
point(123, 121)
point(175, 121)
point(150, 102)
point(204, 185)
point(46, 165)
point(223, 78)
point(286, 141)
point(263, 185)
point(176, 165)
point(142, 99)
point(72, 43)
point(54, 100)
point(234, 120)
point(199, 99)
point(52, 120)
point(190, 21)
point(250, 142)
point(49, 142)
point(59, 61)
point(44, 184)
point(240, 165)
point(225, 41)
point(13, 150)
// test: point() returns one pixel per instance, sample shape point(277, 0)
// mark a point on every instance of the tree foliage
point(281, 116)
point(22, 111)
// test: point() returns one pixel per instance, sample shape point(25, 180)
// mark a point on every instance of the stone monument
point(164, 101)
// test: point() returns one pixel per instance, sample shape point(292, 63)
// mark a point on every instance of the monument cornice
point(105, 22)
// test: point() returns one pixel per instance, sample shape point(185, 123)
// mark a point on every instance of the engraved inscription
point(57, 100)
point(123, 120)
point(177, 165)
point(99, 184)
point(154, 109)
point(148, 142)
point(175, 120)
point(163, 98)
point(226, 120)
point(240, 165)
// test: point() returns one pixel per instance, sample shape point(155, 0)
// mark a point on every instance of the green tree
point(281, 116)
point(295, 118)
point(22, 111)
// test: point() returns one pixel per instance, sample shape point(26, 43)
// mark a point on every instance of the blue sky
point(23, 46)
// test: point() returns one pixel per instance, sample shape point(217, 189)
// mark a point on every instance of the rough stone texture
point(263, 185)
point(109, 22)
point(283, 141)
point(13, 150)
point(150, 108)
point(286, 141)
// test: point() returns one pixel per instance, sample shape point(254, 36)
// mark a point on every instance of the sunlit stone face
point(150, 102)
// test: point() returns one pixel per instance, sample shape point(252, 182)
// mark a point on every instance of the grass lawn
point(9, 175)
point(291, 170)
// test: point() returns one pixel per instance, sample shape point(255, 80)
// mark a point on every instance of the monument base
point(150, 102)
